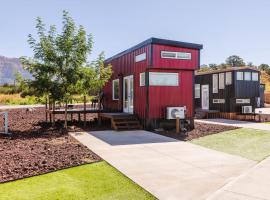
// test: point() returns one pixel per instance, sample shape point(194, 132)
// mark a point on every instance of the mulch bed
point(36, 148)
point(200, 130)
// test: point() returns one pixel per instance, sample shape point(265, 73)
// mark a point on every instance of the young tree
point(58, 58)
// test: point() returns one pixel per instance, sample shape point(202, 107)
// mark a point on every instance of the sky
point(224, 27)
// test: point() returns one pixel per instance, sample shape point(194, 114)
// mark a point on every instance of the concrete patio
point(167, 168)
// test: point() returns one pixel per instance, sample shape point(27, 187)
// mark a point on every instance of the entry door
point(128, 94)
point(205, 97)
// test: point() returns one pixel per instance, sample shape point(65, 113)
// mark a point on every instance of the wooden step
point(126, 123)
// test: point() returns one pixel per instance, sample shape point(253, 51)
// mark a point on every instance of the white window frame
point(197, 91)
point(176, 55)
point(257, 76)
point(215, 83)
point(153, 83)
point(221, 80)
point(247, 76)
point(242, 101)
point(113, 92)
point(142, 79)
point(228, 78)
point(219, 101)
point(239, 76)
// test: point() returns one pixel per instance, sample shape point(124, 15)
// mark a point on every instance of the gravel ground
point(36, 148)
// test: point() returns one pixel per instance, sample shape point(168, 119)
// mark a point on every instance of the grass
point(16, 99)
point(98, 181)
point(248, 143)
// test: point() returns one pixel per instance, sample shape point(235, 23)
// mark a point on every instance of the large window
point(197, 91)
point(228, 78)
point(142, 79)
point(163, 79)
point(215, 83)
point(115, 89)
point(221, 81)
point(247, 76)
point(255, 76)
point(240, 76)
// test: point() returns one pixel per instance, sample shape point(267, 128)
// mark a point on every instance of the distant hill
point(8, 68)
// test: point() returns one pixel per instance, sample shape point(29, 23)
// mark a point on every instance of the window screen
point(197, 91)
point(247, 76)
point(115, 92)
point(215, 83)
point(163, 79)
point(221, 81)
point(240, 76)
point(228, 78)
point(255, 76)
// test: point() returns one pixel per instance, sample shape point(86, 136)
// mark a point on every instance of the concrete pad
point(253, 184)
point(236, 123)
point(167, 168)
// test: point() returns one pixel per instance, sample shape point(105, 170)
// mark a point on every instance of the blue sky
point(224, 27)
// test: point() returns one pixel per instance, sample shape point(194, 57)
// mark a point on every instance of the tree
point(213, 66)
point(264, 67)
point(235, 61)
point(58, 61)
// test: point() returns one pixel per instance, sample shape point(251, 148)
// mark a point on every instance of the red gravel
point(35, 148)
point(200, 130)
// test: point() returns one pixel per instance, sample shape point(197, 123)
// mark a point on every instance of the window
point(221, 80)
point(247, 76)
point(215, 83)
point(140, 57)
point(240, 76)
point(176, 55)
point(115, 89)
point(228, 80)
point(197, 91)
point(163, 79)
point(218, 100)
point(255, 76)
point(142, 79)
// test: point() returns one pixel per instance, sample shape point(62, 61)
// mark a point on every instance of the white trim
point(142, 79)
point(113, 96)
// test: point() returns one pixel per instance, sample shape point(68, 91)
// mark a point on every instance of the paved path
point(252, 185)
point(167, 168)
point(236, 123)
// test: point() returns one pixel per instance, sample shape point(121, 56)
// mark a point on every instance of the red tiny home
point(152, 76)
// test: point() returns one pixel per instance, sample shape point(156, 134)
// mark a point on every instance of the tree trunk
point(65, 125)
point(46, 108)
point(53, 115)
point(84, 111)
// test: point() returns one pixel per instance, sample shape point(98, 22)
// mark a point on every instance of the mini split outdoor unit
point(173, 112)
point(246, 109)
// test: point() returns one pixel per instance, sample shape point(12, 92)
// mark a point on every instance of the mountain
point(8, 68)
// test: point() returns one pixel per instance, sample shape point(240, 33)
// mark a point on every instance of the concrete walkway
point(167, 168)
point(252, 185)
point(236, 123)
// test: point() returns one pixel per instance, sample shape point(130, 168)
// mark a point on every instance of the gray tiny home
point(228, 90)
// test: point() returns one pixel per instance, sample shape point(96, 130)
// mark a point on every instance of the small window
point(115, 91)
point(218, 100)
point(140, 57)
point(247, 76)
point(176, 55)
point(142, 79)
point(240, 76)
point(255, 76)
point(197, 91)
point(221, 81)
point(242, 101)
point(228, 78)
point(163, 79)
point(215, 83)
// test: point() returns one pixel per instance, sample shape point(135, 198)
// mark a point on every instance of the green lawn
point(93, 181)
point(248, 143)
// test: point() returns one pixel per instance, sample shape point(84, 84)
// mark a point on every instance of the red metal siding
point(124, 66)
point(161, 97)
point(159, 62)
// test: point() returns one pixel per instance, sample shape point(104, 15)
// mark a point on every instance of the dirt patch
point(36, 148)
point(200, 130)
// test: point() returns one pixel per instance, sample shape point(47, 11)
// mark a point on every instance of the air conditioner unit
point(173, 112)
point(246, 109)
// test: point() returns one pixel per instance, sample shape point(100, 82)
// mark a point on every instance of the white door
point(128, 94)
point(205, 97)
